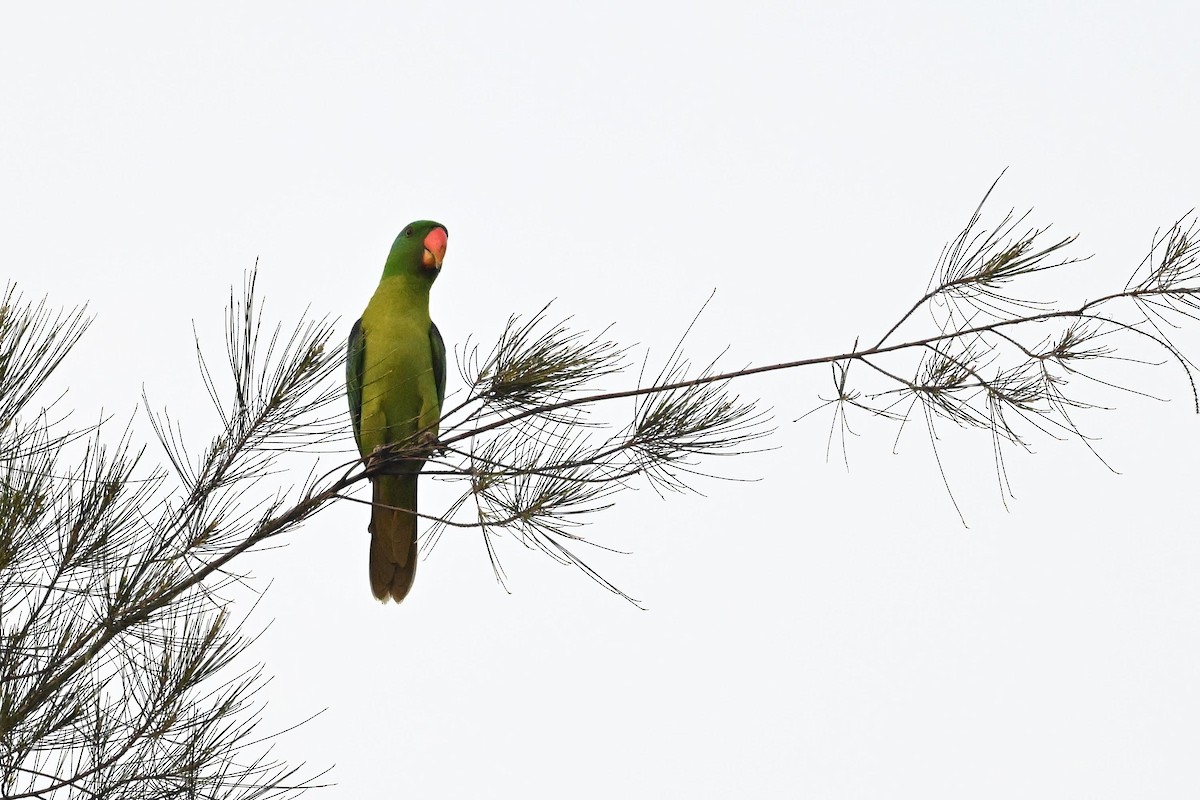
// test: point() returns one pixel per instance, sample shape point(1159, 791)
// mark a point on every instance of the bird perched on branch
point(395, 382)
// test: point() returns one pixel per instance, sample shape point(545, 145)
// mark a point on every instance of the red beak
point(435, 248)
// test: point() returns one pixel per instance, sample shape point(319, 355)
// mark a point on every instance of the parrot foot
point(389, 459)
point(376, 459)
point(428, 444)
point(384, 460)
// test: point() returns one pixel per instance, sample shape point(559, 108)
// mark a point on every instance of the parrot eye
point(408, 231)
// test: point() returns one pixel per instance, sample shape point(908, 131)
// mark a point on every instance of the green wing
point(438, 347)
point(356, 350)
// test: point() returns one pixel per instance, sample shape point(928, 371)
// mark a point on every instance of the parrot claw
point(378, 458)
point(428, 445)
point(386, 460)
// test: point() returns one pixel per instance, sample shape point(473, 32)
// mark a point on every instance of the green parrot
point(395, 382)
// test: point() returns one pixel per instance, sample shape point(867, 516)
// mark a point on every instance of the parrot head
point(418, 250)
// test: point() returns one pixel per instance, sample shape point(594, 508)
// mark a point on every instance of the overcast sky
point(816, 633)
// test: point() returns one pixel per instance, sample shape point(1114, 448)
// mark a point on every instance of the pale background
point(814, 634)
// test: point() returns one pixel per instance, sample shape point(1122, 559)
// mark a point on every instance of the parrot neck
point(418, 281)
point(402, 265)
point(406, 289)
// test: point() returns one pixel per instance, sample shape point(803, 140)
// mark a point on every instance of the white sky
point(816, 633)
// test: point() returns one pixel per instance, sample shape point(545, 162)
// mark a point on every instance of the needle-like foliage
point(120, 674)
point(534, 458)
point(981, 353)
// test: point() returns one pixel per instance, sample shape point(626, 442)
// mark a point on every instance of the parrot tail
point(393, 536)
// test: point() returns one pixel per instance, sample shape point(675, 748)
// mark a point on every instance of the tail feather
point(393, 536)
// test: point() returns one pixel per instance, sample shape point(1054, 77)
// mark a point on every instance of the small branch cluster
point(534, 456)
point(992, 359)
